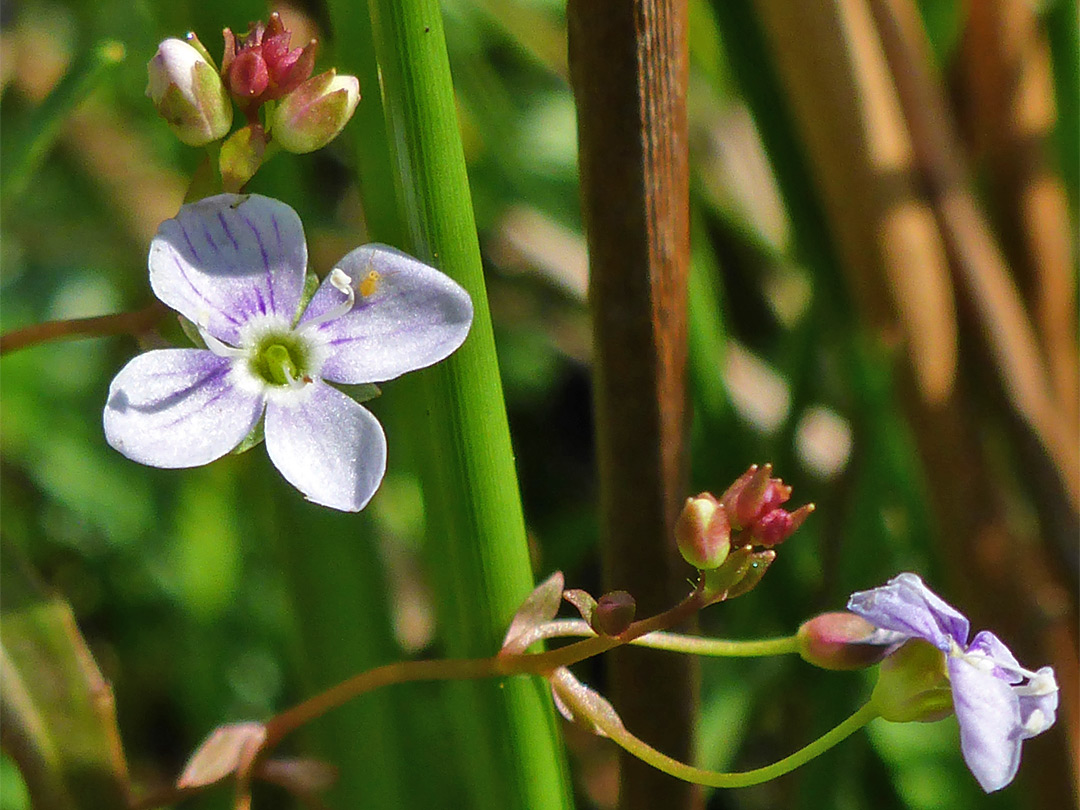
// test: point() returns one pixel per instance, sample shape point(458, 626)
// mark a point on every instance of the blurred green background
point(217, 594)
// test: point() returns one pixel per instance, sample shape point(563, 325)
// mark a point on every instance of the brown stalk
point(123, 323)
point(629, 69)
point(1036, 581)
point(1010, 117)
point(982, 271)
point(867, 148)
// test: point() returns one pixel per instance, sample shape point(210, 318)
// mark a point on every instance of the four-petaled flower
point(234, 265)
point(998, 703)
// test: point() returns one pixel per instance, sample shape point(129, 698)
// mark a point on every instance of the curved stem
point(542, 664)
point(122, 323)
point(680, 642)
point(575, 696)
point(398, 672)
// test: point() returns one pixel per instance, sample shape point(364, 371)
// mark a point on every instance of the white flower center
point(273, 358)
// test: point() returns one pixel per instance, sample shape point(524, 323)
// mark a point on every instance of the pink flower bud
point(840, 641)
point(261, 67)
point(703, 533)
point(614, 613)
point(313, 114)
point(776, 526)
point(188, 93)
point(753, 494)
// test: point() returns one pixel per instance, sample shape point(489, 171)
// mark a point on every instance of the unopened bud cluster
point(749, 513)
point(731, 538)
point(270, 82)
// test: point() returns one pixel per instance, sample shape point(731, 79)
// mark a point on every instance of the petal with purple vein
point(407, 316)
point(178, 408)
point(327, 446)
point(226, 259)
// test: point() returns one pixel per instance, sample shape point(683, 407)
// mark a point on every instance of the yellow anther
point(368, 285)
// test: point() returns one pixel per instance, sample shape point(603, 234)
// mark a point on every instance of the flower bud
point(841, 641)
point(614, 613)
point(703, 533)
point(260, 66)
point(314, 113)
point(913, 684)
point(754, 494)
point(776, 526)
point(188, 93)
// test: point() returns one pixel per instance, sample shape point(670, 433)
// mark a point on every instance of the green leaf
point(59, 724)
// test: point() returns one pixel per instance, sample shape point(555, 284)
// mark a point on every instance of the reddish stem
point(122, 323)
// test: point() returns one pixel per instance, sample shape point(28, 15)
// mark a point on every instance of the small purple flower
point(998, 703)
point(234, 265)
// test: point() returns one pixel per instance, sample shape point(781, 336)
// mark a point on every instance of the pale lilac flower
point(234, 265)
point(998, 703)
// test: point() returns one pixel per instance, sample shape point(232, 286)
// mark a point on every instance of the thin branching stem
point(122, 323)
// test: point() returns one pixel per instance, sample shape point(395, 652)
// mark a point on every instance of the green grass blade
point(477, 547)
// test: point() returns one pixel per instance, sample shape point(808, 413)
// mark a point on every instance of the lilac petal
point(413, 317)
point(989, 715)
point(994, 648)
point(1039, 711)
point(906, 605)
point(327, 446)
point(178, 408)
point(229, 258)
point(1037, 695)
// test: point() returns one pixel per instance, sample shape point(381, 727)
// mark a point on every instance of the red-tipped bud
point(248, 76)
point(614, 613)
point(754, 493)
point(840, 641)
point(261, 67)
point(776, 526)
point(703, 533)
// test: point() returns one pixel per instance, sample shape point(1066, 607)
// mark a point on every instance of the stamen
point(215, 345)
point(1037, 723)
point(341, 282)
point(1039, 684)
point(296, 383)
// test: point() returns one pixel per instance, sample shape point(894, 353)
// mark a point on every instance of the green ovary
point(279, 360)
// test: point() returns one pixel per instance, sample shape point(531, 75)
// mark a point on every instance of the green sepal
point(194, 42)
point(192, 332)
point(252, 439)
point(205, 182)
point(362, 392)
point(311, 285)
point(913, 684)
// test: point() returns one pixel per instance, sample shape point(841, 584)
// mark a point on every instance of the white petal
point(178, 408)
point(229, 258)
point(407, 316)
point(327, 446)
